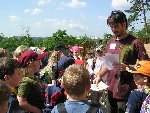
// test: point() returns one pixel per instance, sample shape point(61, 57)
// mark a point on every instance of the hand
point(120, 66)
point(97, 80)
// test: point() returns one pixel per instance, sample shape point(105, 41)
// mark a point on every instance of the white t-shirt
point(98, 65)
point(90, 65)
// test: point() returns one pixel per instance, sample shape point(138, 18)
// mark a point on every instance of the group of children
point(19, 72)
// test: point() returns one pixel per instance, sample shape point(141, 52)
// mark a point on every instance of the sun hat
point(142, 67)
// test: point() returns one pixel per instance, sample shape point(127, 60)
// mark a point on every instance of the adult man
point(121, 82)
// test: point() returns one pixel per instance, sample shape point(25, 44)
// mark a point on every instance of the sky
point(44, 17)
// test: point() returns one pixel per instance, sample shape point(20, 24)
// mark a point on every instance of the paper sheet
point(99, 87)
point(110, 59)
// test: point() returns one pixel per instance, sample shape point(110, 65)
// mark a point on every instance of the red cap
point(28, 56)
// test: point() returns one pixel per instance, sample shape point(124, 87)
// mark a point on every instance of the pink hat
point(75, 48)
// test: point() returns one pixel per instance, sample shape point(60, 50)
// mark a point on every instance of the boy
point(142, 79)
point(11, 73)
point(76, 82)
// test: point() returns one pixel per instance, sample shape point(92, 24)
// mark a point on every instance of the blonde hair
point(19, 50)
point(75, 80)
point(53, 58)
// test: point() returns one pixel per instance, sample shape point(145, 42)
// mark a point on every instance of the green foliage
point(106, 38)
point(137, 13)
point(125, 51)
point(27, 40)
point(59, 37)
point(139, 8)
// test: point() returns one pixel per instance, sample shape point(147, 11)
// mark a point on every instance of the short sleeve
point(140, 49)
point(24, 88)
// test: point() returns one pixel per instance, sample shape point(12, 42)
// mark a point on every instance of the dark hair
point(4, 92)
point(117, 17)
point(7, 66)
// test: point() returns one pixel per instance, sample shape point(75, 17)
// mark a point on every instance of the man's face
point(118, 29)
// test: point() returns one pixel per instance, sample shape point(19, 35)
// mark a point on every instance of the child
point(76, 81)
point(65, 59)
point(11, 73)
point(30, 94)
point(4, 96)
point(19, 50)
point(142, 79)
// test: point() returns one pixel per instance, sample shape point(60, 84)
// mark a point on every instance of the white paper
point(101, 86)
point(110, 59)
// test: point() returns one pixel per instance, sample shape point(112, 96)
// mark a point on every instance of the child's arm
point(26, 106)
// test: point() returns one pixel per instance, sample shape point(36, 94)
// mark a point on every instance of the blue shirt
point(61, 65)
point(135, 100)
point(76, 107)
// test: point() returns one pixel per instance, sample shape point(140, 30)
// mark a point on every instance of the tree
point(59, 36)
point(27, 40)
point(138, 9)
point(105, 39)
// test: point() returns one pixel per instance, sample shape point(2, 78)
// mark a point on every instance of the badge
point(113, 46)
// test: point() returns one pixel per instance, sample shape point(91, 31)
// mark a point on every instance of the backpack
point(93, 108)
point(54, 94)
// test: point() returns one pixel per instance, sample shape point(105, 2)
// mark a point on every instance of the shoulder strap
point(61, 108)
point(93, 109)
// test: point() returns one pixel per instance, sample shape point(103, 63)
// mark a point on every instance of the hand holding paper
point(110, 59)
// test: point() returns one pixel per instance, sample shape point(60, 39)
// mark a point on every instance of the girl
point(30, 94)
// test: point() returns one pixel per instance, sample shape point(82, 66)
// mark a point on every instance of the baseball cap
point(28, 56)
point(63, 48)
point(142, 67)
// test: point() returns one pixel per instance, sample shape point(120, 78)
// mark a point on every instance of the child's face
point(76, 53)
point(139, 80)
point(36, 65)
point(15, 79)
